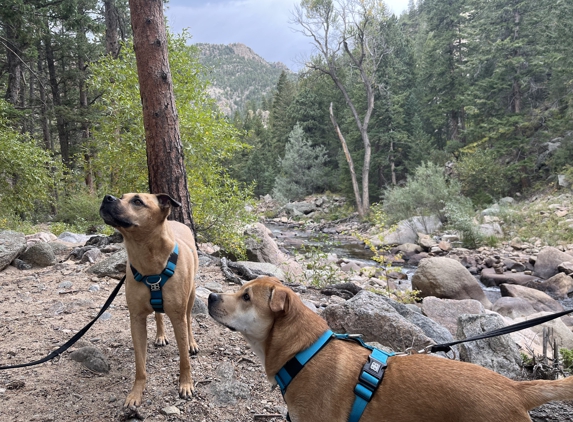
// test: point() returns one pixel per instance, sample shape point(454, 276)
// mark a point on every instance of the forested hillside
point(485, 86)
point(237, 75)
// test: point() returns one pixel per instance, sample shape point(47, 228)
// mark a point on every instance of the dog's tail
point(536, 393)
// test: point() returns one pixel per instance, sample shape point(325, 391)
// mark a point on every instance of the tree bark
point(14, 65)
point(111, 28)
point(350, 162)
point(165, 159)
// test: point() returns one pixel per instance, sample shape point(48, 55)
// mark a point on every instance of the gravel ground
point(40, 309)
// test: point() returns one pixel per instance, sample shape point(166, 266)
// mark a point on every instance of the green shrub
point(482, 177)
point(426, 193)
point(460, 216)
point(567, 356)
point(80, 209)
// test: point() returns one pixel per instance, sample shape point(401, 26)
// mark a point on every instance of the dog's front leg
point(160, 338)
point(180, 326)
point(139, 336)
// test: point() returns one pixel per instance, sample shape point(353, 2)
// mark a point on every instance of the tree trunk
point(43, 104)
point(165, 160)
point(57, 101)
point(350, 162)
point(111, 28)
point(14, 67)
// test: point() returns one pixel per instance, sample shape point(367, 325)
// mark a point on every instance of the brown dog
point(415, 388)
point(149, 240)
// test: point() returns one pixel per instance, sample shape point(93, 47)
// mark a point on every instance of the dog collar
point(368, 381)
point(156, 282)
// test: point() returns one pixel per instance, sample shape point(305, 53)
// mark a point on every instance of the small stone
point(214, 287)
point(65, 285)
point(171, 410)
point(94, 288)
point(91, 358)
point(105, 316)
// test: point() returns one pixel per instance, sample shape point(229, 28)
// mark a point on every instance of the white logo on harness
point(375, 366)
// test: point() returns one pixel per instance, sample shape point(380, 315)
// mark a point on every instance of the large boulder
point(447, 278)
point(262, 248)
point(558, 329)
point(39, 255)
point(114, 266)
point(406, 231)
point(447, 311)
point(548, 261)
point(431, 328)
point(558, 287)
point(539, 300)
point(513, 307)
point(300, 208)
point(499, 354)
point(490, 278)
point(12, 244)
point(370, 315)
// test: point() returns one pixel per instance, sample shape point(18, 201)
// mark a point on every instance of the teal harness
point(368, 381)
point(156, 282)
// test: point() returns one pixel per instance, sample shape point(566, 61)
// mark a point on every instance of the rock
point(171, 410)
point(40, 237)
point(12, 244)
point(407, 230)
point(426, 241)
point(299, 208)
point(445, 246)
point(408, 249)
point(446, 311)
point(493, 210)
point(548, 261)
point(262, 248)
point(513, 307)
point(105, 316)
point(114, 266)
point(540, 301)
point(92, 358)
point(226, 389)
point(447, 278)
point(490, 278)
point(94, 288)
point(566, 267)
point(558, 287)
point(431, 328)
point(561, 332)
point(490, 229)
point(369, 314)
point(90, 256)
point(348, 267)
point(500, 354)
point(199, 307)
point(508, 200)
point(74, 237)
point(214, 287)
point(415, 259)
point(512, 265)
point(264, 267)
point(66, 284)
point(202, 292)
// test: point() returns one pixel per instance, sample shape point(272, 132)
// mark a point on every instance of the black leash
point(76, 337)
point(446, 347)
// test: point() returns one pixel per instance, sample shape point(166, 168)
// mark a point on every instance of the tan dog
point(149, 240)
point(415, 388)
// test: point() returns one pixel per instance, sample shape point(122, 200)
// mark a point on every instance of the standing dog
point(149, 240)
point(415, 388)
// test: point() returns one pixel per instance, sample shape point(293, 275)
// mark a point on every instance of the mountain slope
point(237, 74)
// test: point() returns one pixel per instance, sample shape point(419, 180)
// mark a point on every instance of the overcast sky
point(262, 25)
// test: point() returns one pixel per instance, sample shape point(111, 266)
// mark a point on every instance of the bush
point(426, 193)
point(302, 169)
point(482, 177)
point(80, 209)
point(460, 215)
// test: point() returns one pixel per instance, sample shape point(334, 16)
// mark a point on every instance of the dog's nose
point(109, 198)
point(213, 298)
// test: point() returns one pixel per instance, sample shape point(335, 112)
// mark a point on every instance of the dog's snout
point(213, 298)
point(109, 198)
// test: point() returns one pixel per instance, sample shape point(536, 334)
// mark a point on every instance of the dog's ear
point(165, 201)
point(279, 300)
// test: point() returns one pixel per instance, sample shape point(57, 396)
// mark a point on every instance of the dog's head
point(253, 309)
point(136, 210)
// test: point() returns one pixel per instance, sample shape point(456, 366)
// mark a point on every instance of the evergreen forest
point(481, 88)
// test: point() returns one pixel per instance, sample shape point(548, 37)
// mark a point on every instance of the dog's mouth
point(111, 220)
point(216, 315)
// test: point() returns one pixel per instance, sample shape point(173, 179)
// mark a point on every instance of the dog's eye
point(138, 201)
point(246, 297)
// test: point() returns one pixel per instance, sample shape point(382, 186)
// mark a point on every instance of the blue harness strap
point(368, 381)
point(156, 282)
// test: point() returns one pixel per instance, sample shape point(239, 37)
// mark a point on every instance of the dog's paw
point(133, 399)
point(193, 348)
point(161, 341)
point(186, 390)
